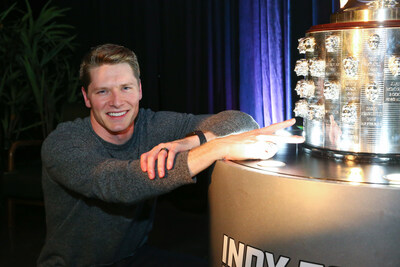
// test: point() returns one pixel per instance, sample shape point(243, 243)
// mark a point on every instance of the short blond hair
point(107, 54)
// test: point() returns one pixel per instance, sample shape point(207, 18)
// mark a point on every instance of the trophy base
point(351, 156)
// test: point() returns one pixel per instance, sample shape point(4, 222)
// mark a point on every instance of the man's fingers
point(277, 126)
point(143, 162)
point(147, 161)
point(270, 149)
point(150, 166)
point(162, 155)
point(170, 160)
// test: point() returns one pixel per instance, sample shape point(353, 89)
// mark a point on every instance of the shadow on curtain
point(263, 93)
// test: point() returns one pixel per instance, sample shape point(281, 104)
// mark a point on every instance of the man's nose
point(116, 99)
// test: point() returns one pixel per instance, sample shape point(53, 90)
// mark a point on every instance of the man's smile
point(117, 114)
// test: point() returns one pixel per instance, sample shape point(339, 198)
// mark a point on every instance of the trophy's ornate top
point(368, 10)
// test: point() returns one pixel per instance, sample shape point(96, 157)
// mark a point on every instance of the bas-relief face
point(113, 97)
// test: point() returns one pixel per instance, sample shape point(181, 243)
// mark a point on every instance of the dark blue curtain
point(268, 33)
point(262, 40)
point(248, 58)
point(205, 56)
point(222, 60)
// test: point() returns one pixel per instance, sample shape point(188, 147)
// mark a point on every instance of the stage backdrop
point(204, 56)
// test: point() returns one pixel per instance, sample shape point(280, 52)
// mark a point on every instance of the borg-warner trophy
point(298, 210)
point(350, 82)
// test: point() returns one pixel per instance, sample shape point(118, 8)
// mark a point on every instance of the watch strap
point(200, 135)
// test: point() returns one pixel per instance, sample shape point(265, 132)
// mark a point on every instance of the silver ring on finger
point(164, 148)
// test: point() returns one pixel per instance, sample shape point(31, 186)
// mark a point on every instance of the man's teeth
point(117, 114)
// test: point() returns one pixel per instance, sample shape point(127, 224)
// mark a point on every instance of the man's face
point(113, 97)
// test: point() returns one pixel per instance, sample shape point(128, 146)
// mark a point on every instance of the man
point(101, 174)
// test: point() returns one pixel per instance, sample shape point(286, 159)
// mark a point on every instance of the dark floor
point(180, 226)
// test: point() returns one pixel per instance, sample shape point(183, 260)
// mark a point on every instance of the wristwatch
point(200, 135)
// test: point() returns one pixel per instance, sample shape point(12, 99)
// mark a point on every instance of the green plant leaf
point(35, 75)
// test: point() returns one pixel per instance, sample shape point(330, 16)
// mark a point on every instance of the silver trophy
point(351, 69)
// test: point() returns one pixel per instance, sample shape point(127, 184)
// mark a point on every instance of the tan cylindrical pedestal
point(269, 218)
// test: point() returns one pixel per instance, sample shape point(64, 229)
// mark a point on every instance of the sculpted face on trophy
point(306, 44)
point(301, 67)
point(332, 43)
point(349, 113)
point(350, 66)
point(373, 41)
point(305, 89)
point(331, 90)
point(371, 92)
point(301, 108)
point(394, 65)
point(383, 4)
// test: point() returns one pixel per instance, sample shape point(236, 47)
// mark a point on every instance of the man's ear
point(140, 90)
point(85, 97)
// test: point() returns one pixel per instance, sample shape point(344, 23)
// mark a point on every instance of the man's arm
point(254, 144)
point(158, 159)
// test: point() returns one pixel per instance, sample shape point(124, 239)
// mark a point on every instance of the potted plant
point(36, 77)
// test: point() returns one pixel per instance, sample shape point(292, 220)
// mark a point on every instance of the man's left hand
point(165, 152)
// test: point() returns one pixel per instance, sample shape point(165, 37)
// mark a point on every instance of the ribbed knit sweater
point(99, 204)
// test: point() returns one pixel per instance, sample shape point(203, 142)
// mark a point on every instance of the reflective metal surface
point(293, 160)
point(350, 81)
point(364, 10)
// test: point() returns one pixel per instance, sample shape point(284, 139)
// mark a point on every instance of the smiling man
point(113, 97)
point(101, 174)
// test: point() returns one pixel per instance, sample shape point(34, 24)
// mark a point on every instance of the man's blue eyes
point(105, 91)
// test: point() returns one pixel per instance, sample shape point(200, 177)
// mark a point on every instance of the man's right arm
point(255, 144)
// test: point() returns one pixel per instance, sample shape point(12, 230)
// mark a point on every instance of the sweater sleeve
point(228, 122)
point(92, 173)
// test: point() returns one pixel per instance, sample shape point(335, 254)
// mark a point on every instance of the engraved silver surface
point(317, 67)
point(306, 44)
point(331, 90)
point(305, 89)
point(361, 110)
point(332, 43)
point(316, 112)
point(350, 66)
point(301, 67)
point(355, 68)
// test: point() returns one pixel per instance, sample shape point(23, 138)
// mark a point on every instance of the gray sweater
point(99, 204)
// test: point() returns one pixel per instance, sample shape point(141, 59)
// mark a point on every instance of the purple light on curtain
point(261, 60)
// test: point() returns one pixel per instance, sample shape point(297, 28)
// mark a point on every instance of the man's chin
point(119, 130)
